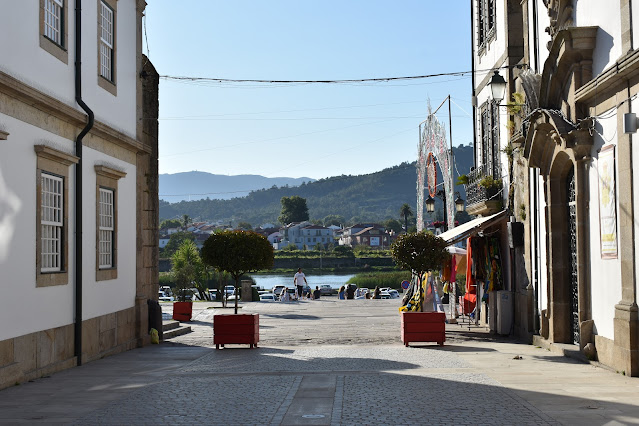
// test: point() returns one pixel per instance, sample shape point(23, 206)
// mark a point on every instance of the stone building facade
point(78, 189)
point(572, 77)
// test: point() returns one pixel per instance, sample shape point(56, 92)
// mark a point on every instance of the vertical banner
point(607, 202)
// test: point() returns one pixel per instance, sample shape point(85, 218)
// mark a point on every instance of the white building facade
point(63, 177)
point(572, 75)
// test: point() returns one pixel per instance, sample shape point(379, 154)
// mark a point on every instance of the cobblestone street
point(328, 362)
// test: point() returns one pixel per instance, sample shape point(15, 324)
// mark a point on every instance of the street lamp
point(498, 87)
point(441, 194)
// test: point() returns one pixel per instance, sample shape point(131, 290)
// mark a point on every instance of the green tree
point(393, 225)
point(238, 252)
point(294, 209)
point(170, 223)
point(188, 271)
point(334, 219)
point(405, 211)
point(244, 225)
point(175, 241)
point(419, 252)
point(186, 220)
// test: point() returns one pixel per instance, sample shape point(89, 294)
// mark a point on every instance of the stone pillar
point(626, 322)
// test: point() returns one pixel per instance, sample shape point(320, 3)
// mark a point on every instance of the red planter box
point(182, 311)
point(236, 328)
point(423, 327)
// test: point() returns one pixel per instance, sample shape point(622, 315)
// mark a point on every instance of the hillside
point(372, 197)
point(199, 185)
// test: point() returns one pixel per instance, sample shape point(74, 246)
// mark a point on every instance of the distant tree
point(317, 222)
point(419, 252)
point(186, 220)
point(294, 209)
point(188, 271)
point(175, 241)
point(393, 225)
point(344, 251)
point(405, 211)
point(244, 225)
point(238, 252)
point(170, 223)
point(334, 219)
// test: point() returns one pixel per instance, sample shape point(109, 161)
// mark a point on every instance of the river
point(269, 281)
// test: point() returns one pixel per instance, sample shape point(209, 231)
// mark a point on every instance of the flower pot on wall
point(236, 329)
point(423, 327)
point(182, 311)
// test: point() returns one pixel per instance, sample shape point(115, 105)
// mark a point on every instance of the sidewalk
point(328, 362)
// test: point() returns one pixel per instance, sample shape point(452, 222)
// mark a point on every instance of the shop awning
point(467, 229)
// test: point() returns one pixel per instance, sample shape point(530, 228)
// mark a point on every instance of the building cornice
point(56, 155)
point(109, 172)
point(28, 95)
point(606, 83)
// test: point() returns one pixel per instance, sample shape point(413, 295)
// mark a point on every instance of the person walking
point(299, 280)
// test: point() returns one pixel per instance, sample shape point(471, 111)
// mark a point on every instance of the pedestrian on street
point(341, 293)
point(299, 280)
point(316, 293)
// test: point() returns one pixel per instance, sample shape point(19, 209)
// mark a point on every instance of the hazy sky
point(311, 130)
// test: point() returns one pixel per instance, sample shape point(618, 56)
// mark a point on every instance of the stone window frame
point(108, 85)
point(58, 50)
point(106, 178)
point(486, 24)
point(55, 162)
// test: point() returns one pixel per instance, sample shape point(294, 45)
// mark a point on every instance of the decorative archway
point(433, 143)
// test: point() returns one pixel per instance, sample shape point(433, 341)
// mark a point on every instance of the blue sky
point(305, 130)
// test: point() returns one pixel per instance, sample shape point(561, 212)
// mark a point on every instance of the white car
point(162, 297)
point(394, 294)
point(385, 295)
point(267, 297)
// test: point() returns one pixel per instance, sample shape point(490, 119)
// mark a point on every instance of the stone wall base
point(42, 353)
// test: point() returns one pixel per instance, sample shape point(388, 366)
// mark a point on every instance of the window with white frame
point(485, 22)
point(106, 41)
point(51, 222)
point(107, 228)
point(54, 20)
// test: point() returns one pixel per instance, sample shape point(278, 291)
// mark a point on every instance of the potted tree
point(237, 252)
point(420, 252)
point(188, 272)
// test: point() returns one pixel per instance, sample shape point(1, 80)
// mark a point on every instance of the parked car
point(385, 295)
point(267, 297)
point(394, 293)
point(326, 290)
point(229, 290)
point(163, 297)
point(277, 290)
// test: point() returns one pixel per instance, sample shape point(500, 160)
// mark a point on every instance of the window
point(51, 222)
point(106, 221)
point(485, 23)
point(489, 151)
point(52, 215)
point(53, 21)
point(107, 45)
point(106, 41)
point(53, 28)
point(106, 229)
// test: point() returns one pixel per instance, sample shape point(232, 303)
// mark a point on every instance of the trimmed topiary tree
point(237, 252)
point(419, 252)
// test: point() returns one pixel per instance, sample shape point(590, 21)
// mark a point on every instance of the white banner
point(607, 202)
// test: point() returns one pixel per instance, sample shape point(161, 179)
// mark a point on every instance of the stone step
point(177, 331)
point(169, 325)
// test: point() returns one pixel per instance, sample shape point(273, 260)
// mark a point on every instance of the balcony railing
point(477, 193)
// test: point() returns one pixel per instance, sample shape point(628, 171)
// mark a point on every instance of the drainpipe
point(78, 183)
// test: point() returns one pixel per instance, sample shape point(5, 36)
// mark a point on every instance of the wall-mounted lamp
point(498, 87)
point(630, 123)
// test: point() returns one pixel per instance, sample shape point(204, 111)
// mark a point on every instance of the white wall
point(23, 307)
point(103, 297)
point(25, 60)
point(605, 274)
point(543, 258)
point(606, 15)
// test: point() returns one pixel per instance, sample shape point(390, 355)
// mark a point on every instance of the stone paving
point(329, 363)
